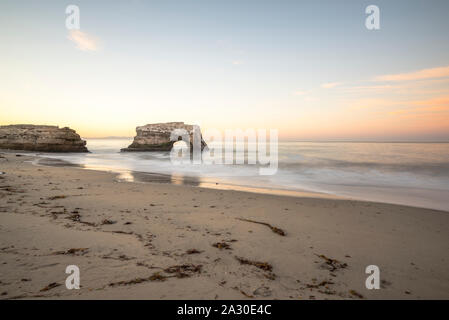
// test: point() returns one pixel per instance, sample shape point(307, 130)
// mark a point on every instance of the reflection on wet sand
point(179, 179)
point(282, 192)
point(57, 163)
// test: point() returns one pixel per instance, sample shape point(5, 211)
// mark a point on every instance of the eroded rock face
point(40, 138)
point(162, 136)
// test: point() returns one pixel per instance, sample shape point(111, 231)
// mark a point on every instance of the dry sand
point(143, 252)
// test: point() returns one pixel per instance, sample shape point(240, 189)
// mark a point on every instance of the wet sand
point(167, 241)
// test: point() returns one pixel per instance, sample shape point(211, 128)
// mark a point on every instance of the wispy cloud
point(436, 105)
point(299, 93)
point(431, 73)
point(329, 85)
point(437, 101)
point(237, 62)
point(83, 41)
point(369, 88)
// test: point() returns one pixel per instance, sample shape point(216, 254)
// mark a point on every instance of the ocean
point(414, 174)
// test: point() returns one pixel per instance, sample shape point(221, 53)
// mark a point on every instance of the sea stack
point(40, 138)
point(162, 136)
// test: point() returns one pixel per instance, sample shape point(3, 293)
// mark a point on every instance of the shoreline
point(154, 177)
point(423, 197)
point(157, 241)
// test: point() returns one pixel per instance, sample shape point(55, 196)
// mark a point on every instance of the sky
point(310, 69)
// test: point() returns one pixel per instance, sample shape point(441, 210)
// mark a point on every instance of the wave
point(388, 172)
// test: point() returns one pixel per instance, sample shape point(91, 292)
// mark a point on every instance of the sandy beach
point(164, 241)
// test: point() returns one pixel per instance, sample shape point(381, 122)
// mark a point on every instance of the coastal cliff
point(41, 138)
point(162, 136)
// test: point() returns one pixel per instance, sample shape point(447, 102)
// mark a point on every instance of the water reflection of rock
point(134, 176)
point(50, 162)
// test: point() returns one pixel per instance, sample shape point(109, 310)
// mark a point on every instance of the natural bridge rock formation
point(162, 136)
point(40, 138)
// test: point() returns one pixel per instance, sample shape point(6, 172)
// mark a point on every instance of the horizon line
point(313, 140)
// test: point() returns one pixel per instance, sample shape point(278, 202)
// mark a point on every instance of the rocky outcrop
point(40, 138)
point(162, 136)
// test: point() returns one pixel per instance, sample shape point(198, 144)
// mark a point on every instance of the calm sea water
point(415, 174)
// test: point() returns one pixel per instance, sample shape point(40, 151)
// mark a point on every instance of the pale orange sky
point(406, 104)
